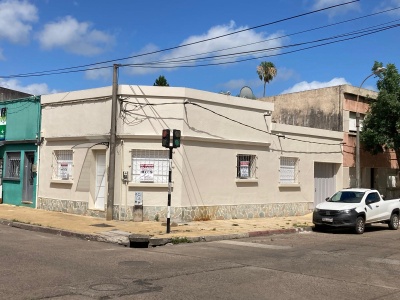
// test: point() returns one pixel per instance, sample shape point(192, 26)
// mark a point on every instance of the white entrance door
point(100, 181)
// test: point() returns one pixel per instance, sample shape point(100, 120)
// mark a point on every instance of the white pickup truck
point(355, 208)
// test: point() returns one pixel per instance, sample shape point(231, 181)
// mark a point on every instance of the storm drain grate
point(101, 225)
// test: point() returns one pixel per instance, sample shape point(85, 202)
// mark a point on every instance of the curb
point(150, 241)
point(55, 231)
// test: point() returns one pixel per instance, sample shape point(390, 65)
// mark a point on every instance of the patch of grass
point(180, 240)
point(235, 224)
point(214, 229)
point(156, 218)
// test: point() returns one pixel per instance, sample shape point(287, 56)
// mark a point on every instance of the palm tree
point(161, 81)
point(266, 72)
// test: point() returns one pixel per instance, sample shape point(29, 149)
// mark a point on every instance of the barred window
point(246, 166)
point(13, 165)
point(289, 170)
point(150, 166)
point(62, 164)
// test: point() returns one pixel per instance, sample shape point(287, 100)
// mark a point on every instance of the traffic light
point(165, 138)
point(176, 138)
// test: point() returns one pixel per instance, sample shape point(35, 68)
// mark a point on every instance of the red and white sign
point(64, 171)
point(244, 169)
point(147, 172)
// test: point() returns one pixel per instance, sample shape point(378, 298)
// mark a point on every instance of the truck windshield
point(347, 197)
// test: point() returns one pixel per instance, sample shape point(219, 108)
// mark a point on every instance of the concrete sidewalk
point(128, 232)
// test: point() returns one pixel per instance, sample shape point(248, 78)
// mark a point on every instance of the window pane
point(13, 165)
point(288, 170)
point(62, 169)
point(246, 166)
point(150, 166)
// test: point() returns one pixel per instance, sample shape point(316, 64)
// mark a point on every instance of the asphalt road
point(332, 265)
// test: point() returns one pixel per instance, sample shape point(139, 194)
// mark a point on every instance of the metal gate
point(324, 181)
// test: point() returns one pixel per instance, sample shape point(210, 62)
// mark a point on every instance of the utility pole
point(113, 134)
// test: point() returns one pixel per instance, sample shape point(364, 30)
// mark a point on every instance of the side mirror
point(327, 198)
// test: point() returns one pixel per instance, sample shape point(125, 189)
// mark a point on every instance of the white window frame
point(352, 121)
point(289, 170)
point(13, 165)
point(150, 166)
point(63, 162)
point(246, 166)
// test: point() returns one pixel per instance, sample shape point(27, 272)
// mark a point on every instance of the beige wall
point(204, 167)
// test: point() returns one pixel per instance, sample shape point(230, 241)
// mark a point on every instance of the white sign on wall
point(146, 172)
point(64, 170)
point(138, 198)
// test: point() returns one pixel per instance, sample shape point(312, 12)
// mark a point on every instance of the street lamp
point(358, 169)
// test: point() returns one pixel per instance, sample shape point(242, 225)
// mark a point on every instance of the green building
point(19, 138)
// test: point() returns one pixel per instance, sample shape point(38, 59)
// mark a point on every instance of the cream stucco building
point(233, 161)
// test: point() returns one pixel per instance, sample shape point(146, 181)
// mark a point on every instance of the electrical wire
point(70, 69)
point(150, 64)
point(142, 105)
point(355, 34)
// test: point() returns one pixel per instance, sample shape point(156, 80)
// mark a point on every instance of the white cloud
point(99, 74)
point(305, 86)
point(340, 10)
point(2, 55)
point(15, 20)
point(229, 44)
point(33, 89)
point(74, 37)
point(389, 4)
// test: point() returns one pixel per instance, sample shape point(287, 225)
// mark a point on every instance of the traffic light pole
point(166, 143)
point(169, 191)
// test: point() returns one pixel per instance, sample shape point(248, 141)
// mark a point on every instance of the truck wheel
point(394, 222)
point(360, 225)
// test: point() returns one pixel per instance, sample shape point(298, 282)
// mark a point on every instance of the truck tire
point(360, 225)
point(394, 222)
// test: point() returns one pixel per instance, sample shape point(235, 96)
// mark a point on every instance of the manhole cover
point(101, 225)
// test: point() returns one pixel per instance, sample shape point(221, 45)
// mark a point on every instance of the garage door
point(324, 181)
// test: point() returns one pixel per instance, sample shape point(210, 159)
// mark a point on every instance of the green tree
point(381, 126)
point(161, 81)
point(266, 72)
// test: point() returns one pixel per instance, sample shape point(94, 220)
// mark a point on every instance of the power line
point(150, 65)
point(139, 106)
point(70, 69)
point(153, 64)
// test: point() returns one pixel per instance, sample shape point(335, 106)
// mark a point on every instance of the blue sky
point(44, 35)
